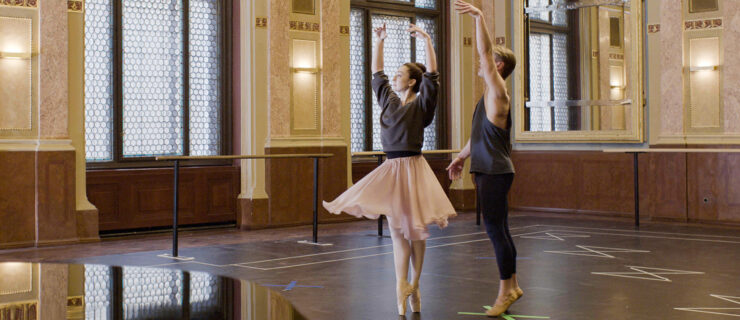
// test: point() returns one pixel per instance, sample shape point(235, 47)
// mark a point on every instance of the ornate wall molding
point(304, 26)
point(19, 3)
point(654, 28)
point(75, 5)
point(703, 24)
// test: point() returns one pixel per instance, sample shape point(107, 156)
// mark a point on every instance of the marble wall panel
point(671, 115)
point(53, 104)
point(731, 66)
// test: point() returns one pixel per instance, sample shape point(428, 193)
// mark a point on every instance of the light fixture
point(15, 55)
point(704, 54)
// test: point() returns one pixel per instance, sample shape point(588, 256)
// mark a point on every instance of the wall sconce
point(305, 87)
point(16, 76)
point(704, 54)
point(15, 55)
point(704, 109)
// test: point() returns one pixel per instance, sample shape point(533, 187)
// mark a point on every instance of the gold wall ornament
point(260, 22)
point(304, 26)
point(75, 6)
point(19, 3)
point(703, 24)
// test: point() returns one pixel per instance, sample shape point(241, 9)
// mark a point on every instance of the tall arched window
point(154, 79)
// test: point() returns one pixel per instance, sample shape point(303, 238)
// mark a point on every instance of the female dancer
point(489, 147)
point(403, 188)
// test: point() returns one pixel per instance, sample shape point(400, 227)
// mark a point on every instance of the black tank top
point(490, 146)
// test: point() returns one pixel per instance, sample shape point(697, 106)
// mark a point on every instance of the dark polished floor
point(570, 267)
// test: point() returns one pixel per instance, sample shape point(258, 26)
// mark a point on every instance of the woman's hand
point(380, 32)
point(454, 170)
point(464, 7)
point(417, 32)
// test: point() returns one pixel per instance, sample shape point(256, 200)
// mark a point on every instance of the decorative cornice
point(304, 26)
point(19, 3)
point(703, 24)
point(75, 6)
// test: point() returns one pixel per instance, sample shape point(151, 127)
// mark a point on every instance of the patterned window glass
point(426, 4)
point(428, 25)
point(152, 78)
point(205, 77)
point(98, 292)
point(151, 293)
point(560, 78)
point(539, 81)
point(560, 18)
point(357, 61)
point(204, 293)
point(397, 52)
point(98, 80)
point(540, 15)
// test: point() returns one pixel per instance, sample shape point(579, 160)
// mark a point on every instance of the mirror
point(580, 71)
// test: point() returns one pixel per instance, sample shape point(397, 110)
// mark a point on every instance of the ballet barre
point(314, 156)
point(635, 166)
point(381, 154)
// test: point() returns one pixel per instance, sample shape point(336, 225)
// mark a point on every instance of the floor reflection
point(111, 292)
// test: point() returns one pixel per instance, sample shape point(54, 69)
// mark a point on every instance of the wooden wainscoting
point(142, 198)
point(700, 187)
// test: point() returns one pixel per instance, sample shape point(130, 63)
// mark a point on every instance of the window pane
point(98, 291)
point(397, 52)
point(560, 78)
point(427, 4)
point(430, 26)
point(205, 77)
point(539, 82)
point(151, 293)
point(560, 18)
point(98, 80)
point(539, 15)
point(152, 78)
point(357, 73)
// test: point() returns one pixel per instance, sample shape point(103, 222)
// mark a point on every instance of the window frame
point(118, 161)
point(408, 9)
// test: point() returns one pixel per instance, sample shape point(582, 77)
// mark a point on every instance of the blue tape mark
point(289, 286)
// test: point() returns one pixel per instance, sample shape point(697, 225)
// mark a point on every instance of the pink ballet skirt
point(403, 189)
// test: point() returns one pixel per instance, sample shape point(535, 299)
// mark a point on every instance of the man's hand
point(464, 7)
point(454, 170)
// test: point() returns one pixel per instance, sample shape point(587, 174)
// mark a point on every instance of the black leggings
point(492, 191)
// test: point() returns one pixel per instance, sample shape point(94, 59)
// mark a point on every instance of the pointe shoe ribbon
point(501, 307)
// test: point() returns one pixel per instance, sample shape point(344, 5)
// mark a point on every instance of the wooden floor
point(570, 267)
